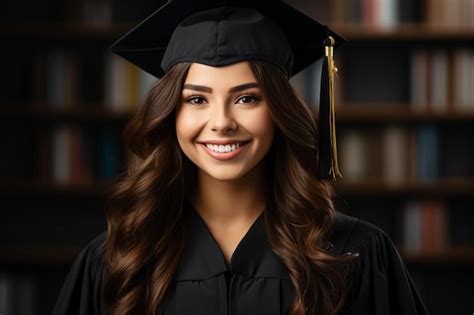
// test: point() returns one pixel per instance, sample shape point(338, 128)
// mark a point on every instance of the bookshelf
point(404, 113)
point(37, 200)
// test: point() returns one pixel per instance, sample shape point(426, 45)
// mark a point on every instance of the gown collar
point(203, 258)
point(253, 256)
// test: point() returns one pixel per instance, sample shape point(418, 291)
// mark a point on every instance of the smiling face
point(223, 124)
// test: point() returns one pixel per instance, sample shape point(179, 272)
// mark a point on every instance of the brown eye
point(195, 100)
point(247, 99)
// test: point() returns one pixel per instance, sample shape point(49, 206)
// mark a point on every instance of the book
point(61, 155)
point(463, 77)
point(353, 144)
point(61, 78)
point(395, 160)
point(425, 224)
point(433, 231)
point(411, 226)
point(419, 79)
point(18, 294)
point(427, 152)
point(6, 293)
point(439, 80)
point(383, 14)
point(109, 152)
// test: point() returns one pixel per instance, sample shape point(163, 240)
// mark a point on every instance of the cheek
point(261, 125)
point(187, 126)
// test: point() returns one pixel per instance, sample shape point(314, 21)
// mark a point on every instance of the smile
point(224, 147)
point(224, 151)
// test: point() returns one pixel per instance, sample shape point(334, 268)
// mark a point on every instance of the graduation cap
point(222, 32)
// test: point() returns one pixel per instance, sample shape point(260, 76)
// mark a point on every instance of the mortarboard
point(220, 32)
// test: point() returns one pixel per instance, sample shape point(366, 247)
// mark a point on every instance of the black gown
point(257, 282)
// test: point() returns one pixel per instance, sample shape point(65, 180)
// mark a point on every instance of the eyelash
point(253, 96)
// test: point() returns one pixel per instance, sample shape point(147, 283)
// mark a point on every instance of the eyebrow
point(207, 89)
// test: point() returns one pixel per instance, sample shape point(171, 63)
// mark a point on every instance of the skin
point(229, 194)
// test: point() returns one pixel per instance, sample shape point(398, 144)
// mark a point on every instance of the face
point(223, 124)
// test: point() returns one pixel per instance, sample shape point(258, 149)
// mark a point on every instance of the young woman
point(222, 210)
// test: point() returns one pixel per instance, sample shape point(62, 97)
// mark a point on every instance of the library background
point(404, 111)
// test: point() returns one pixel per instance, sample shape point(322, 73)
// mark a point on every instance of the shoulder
point(92, 255)
point(95, 246)
point(380, 281)
point(82, 288)
point(351, 234)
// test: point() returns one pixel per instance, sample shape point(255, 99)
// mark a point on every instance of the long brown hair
point(144, 211)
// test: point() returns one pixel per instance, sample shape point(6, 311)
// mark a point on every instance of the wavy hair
point(144, 209)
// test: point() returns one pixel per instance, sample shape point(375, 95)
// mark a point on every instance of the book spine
point(412, 224)
point(428, 229)
point(353, 155)
point(109, 153)
point(427, 155)
point(439, 80)
point(6, 294)
point(61, 155)
point(395, 154)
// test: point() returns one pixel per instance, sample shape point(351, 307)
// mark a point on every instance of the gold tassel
point(335, 172)
point(329, 167)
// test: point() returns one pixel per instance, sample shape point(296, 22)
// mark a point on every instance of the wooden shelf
point(38, 256)
point(79, 113)
point(32, 188)
point(408, 32)
point(64, 31)
point(441, 187)
point(398, 113)
point(457, 255)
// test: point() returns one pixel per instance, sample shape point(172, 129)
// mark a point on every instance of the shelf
point(64, 32)
point(417, 32)
point(85, 113)
point(458, 255)
point(32, 188)
point(441, 187)
point(409, 32)
point(397, 113)
point(49, 257)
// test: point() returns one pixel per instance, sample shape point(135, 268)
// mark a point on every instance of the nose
point(222, 119)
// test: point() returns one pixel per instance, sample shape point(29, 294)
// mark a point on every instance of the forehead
point(229, 75)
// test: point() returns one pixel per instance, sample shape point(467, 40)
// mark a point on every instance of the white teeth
point(223, 148)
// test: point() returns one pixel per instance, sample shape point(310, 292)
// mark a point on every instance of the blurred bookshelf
point(405, 132)
point(405, 119)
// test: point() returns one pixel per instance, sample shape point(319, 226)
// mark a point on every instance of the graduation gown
point(257, 282)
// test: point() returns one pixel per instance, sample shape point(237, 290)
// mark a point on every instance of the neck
point(225, 201)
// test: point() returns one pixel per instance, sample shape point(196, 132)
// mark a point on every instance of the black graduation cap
point(222, 32)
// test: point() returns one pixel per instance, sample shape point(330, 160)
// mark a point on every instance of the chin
point(224, 175)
